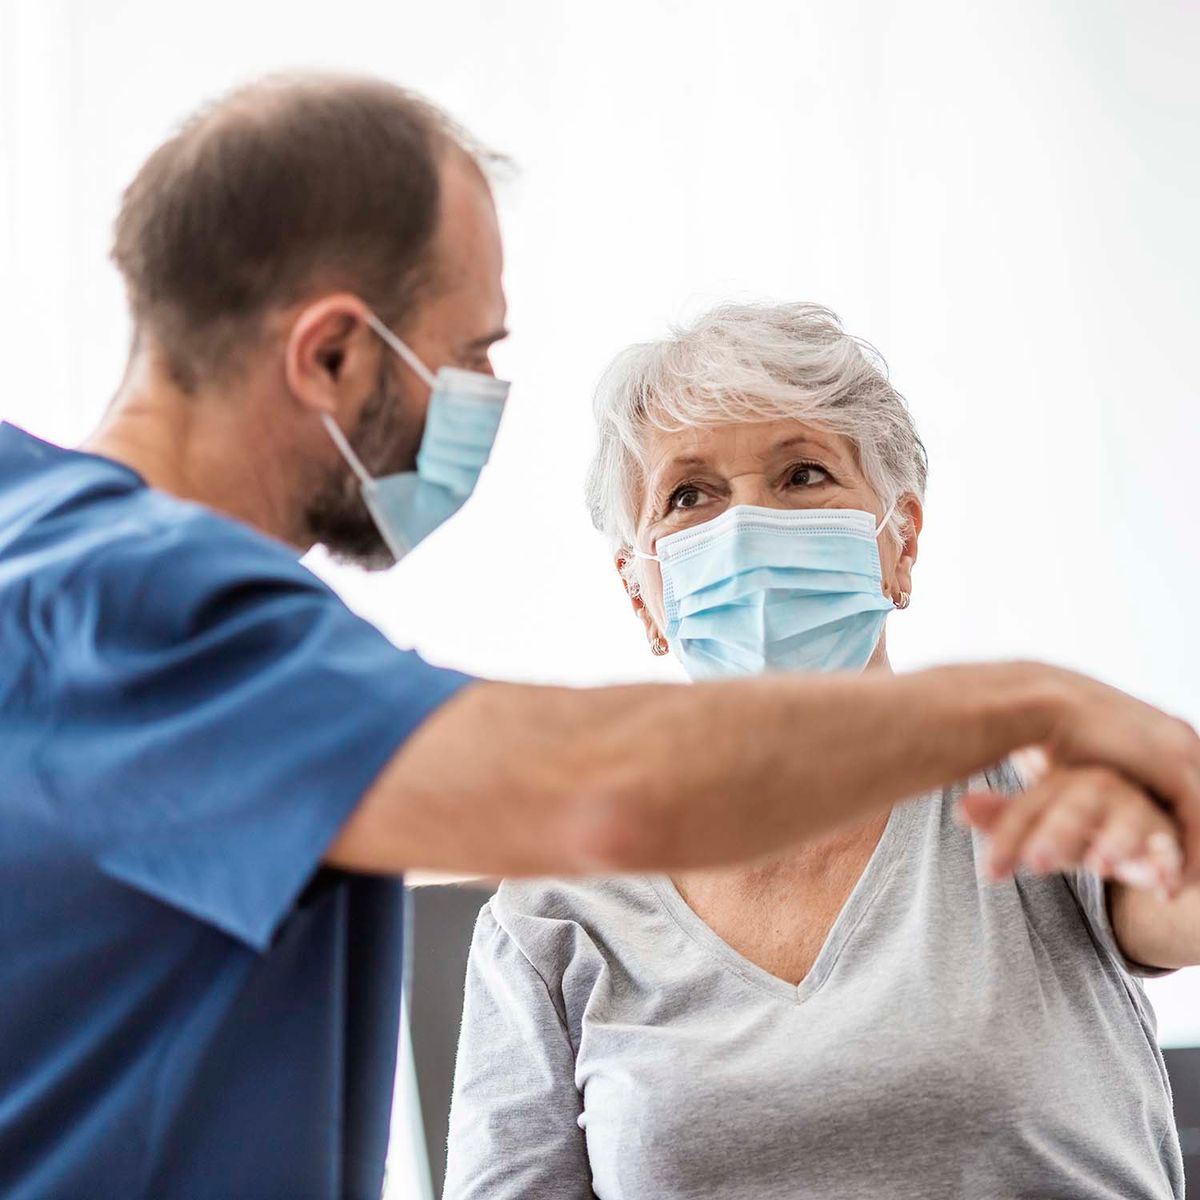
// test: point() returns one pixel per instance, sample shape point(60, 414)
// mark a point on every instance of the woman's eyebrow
point(673, 466)
point(805, 439)
point(683, 460)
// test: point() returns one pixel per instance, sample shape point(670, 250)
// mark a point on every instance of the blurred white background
point(1001, 197)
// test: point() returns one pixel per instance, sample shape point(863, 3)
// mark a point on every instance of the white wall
point(1001, 196)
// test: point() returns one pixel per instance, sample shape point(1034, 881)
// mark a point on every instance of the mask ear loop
point(331, 426)
point(887, 516)
point(648, 557)
point(373, 322)
point(342, 442)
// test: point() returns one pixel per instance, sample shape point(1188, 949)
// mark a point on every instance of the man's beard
point(386, 440)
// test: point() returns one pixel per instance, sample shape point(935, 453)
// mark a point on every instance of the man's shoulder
point(98, 534)
point(138, 567)
point(60, 508)
point(195, 542)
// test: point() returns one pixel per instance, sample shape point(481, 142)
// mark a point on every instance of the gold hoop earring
point(904, 601)
point(658, 646)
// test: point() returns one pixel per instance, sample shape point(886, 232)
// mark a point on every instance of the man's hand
point(1082, 817)
point(1096, 725)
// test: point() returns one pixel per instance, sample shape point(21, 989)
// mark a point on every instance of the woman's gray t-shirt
point(954, 1038)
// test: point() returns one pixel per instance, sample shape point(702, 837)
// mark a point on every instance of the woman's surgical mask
point(762, 589)
point(464, 414)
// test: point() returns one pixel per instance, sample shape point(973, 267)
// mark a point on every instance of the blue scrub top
point(190, 1005)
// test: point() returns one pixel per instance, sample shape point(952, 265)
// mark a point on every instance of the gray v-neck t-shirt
point(954, 1038)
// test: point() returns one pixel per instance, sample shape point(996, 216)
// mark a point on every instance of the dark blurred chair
point(1183, 1065)
point(442, 919)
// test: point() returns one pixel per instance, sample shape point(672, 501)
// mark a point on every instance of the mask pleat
point(757, 590)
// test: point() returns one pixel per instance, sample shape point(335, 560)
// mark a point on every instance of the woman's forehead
point(741, 443)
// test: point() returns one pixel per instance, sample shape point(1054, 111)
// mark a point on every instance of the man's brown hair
point(282, 188)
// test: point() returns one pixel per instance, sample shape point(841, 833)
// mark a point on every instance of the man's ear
point(331, 357)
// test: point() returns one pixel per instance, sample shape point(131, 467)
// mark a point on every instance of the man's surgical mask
point(460, 429)
point(762, 589)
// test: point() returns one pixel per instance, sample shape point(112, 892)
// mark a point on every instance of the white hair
point(749, 362)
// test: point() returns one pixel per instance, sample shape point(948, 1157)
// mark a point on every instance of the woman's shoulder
point(520, 903)
point(574, 933)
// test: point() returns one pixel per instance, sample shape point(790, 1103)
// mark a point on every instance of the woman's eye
point(685, 497)
point(808, 475)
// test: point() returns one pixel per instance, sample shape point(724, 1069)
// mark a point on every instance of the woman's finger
point(1130, 818)
point(1064, 833)
point(1089, 817)
point(1138, 844)
point(1166, 854)
point(1014, 823)
point(1031, 765)
point(981, 810)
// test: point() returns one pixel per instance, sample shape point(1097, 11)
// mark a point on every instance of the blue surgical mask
point(460, 429)
point(765, 589)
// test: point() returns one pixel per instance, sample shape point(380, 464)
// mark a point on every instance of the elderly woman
point(882, 1012)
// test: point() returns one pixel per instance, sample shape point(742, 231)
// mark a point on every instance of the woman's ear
point(634, 591)
point(913, 512)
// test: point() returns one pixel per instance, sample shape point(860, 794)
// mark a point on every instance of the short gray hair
point(749, 362)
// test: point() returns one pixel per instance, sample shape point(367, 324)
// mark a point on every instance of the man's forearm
point(509, 779)
point(728, 773)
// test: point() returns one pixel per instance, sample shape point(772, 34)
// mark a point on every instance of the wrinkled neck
point(879, 659)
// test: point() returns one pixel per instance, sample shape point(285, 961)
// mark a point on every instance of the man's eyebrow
point(488, 339)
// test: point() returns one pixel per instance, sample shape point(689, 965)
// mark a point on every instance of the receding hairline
point(226, 151)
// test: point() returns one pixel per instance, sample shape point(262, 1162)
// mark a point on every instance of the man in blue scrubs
point(212, 774)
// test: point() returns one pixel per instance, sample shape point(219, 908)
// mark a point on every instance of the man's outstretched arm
point(508, 779)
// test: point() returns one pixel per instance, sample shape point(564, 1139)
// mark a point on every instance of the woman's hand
point(1079, 817)
point(1098, 725)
